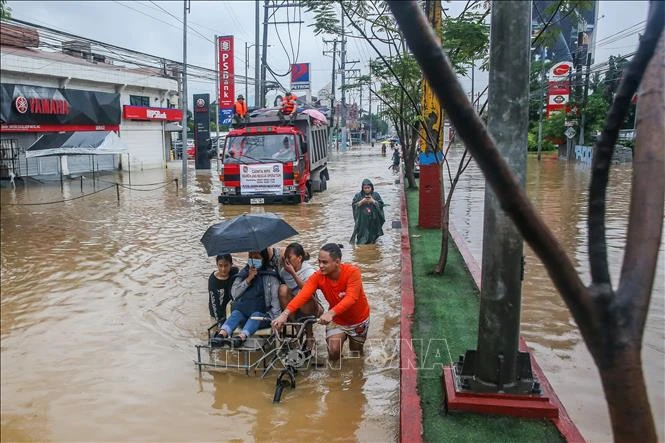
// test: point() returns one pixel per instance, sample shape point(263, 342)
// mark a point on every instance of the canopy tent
point(77, 143)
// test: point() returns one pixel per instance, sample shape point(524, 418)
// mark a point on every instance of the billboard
point(300, 76)
point(569, 45)
point(226, 72)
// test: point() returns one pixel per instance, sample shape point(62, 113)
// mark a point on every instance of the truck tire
point(308, 192)
point(324, 184)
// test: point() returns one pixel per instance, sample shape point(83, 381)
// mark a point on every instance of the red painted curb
point(410, 414)
point(563, 423)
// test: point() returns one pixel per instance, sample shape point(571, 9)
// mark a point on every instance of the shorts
point(357, 332)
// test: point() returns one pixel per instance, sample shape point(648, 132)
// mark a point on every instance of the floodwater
point(102, 304)
point(559, 190)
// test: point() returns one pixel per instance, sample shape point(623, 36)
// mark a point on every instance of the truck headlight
point(229, 190)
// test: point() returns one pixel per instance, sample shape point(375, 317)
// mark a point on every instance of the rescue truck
point(266, 162)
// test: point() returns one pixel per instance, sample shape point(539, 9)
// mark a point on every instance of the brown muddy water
point(559, 190)
point(102, 303)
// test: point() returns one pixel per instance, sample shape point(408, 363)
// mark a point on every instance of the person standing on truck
point(240, 116)
point(287, 112)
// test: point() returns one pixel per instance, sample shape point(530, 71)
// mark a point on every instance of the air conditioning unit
point(77, 48)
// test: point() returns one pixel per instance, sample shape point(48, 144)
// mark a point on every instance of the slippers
point(237, 342)
point(218, 341)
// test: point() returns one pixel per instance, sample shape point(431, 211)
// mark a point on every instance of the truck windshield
point(263, 148)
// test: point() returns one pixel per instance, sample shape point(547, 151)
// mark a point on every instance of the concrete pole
point(540, 101)
point(370, 104)
point(217, 96)
point(332, 90)
point(585, 98)
point(257, 83)
point(264, 56)
point(184, 93)
point(343, 105)
point(500, 298)
point(246, 68)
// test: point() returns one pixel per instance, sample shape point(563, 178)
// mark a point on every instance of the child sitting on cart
point(255, 293)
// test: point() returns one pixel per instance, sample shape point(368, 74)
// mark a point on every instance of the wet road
point(102, 304)
point(559, 191)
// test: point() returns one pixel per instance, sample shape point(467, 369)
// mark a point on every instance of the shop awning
point(77, 143)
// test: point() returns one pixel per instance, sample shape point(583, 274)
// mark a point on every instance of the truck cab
point(265, 162)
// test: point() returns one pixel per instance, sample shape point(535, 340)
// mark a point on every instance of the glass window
point(139, 100)
point(261, 148)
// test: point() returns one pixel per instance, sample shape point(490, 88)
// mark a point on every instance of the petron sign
point(147, 113)
point(26, 108)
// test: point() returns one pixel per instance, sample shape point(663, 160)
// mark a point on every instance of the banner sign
point(226, 72)
point(35, 105)
point(300, 76)
point(225, 117)
point(264, 178)
point(202, 131)
point(145, 113)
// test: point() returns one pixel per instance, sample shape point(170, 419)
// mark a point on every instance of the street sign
point(569, 123)
point(570, 132)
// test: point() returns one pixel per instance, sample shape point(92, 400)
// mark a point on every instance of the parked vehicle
point(264, 162)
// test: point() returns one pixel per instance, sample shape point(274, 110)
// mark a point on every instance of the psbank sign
point(145, 113)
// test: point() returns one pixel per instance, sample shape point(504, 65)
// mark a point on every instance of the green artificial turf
point(447, 309)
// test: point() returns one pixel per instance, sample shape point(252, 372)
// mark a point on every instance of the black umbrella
point(247, 232)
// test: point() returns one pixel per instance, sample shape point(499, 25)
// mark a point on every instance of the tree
point(5, 11)
point(610, 321)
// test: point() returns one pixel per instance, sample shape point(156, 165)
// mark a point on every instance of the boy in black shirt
point(219, 287)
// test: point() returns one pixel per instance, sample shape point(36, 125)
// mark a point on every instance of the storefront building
point(53, 92)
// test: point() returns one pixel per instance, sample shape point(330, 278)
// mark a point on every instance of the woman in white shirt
point(295, 271)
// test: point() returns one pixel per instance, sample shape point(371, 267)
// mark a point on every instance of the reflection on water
point(102, 303)
point(559, 191)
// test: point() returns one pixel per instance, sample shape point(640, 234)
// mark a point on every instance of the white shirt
point(305, 272)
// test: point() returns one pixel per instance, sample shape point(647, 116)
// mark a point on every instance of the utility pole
point(184, 92)
point(217, 97)
point(584, 99)
point(264, 57)
point(473, 82)
point(369, 136)
point(343, 105)
point(497, 365)
point(540, 102)
point(332, 95)
point(246, 68)
point(257, 78)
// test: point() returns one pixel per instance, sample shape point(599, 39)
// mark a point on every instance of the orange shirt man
point(348, 314)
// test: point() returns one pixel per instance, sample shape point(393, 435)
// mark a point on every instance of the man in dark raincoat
point(368, 215)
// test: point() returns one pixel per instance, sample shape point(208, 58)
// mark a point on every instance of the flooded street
point(103, 302)
point(559, 191)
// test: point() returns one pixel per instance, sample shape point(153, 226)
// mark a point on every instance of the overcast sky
point(144, 27)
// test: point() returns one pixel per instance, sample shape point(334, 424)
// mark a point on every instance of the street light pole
point(184, 93)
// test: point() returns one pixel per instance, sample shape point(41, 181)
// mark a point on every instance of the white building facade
point(76, 90)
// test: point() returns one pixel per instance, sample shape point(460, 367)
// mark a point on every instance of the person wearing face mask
point(255, 293)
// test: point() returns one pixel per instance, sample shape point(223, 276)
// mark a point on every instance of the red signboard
point(226, 72)
point(145, 113)
point(57, 128)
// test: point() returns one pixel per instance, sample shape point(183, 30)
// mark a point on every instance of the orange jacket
point(240, 108)
point(345, 295)
point(289, 104)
